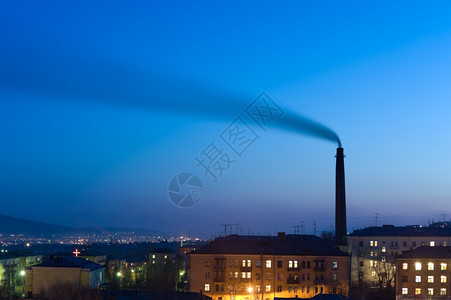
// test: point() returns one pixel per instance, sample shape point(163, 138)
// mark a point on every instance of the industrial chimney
point(340, 200)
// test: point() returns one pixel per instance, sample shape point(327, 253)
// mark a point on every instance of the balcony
point(245, 269)
point(293, 281)
point(319, 268)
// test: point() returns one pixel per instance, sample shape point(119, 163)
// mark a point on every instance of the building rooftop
point(390, 230)
point(69, 262)
point(428, 252)
point(271, 245)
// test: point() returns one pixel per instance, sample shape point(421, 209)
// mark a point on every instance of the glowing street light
point(119, 274)
point(250, 289)
point(22, 273)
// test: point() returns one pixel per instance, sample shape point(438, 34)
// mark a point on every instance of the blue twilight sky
point(103, 103)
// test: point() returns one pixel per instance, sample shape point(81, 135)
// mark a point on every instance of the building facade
point(424, 273)
point(262, 268)
point(374, 249)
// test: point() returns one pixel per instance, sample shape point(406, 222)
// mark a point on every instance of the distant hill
point(12, 225)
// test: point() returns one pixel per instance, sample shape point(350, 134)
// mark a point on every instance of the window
point(371, 263)
point(258, 263)
point(308, 277)
point(383, 258)
point(303, 264)
point(248, 275)
point(430, 279)
point(207, 275)
point(153, 256)
point(404, 244)
point(257, 276)
point(334, 290)
point(207, 287)
point(217, 287)
point(443, 279)
point(371, 253)
point(290, 264)
point(417, 278)
point(375, 243)
point(335, 265)
point(316, 290)
point(371, 243)
point(236, 274)
point(432, 244)
point(405, 291)
point(243, 274)
point(243, 263)
point(268, 288)
point(418, 291)
point(268, 264)
point(430, 291)
point(279, 289)
point(279, 264)
point(404, 278)
point(384, 249)
point(268, 276)
point(442, 292)
point(405, 266)
point(361, 263)
point(231, 263)
point(414, 244)
point(257, 288)
point(418, 266)
point(231, 275)
point(279, 276)
point(165, 257)
point(236, 263)
point(431, 266)
point(249, 263)
point(373, 273)
point(295, 289)
point(443, 266)
point(207, 263)
point(295, 264)
point(361, 244)
point(334, 277)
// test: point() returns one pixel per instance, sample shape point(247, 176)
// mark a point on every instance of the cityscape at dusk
point(221, 134)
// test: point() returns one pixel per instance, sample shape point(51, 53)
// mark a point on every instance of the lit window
point(257, 288)
point(371, 243)
point(442, 291)
point(290, 264)
point(430, 279)
point(268, 264)
point(231, 263)
point(236, 274)
point(334, 277)
point(383, 258)
point(430, 266)
point(248, 274)
point(405, 266)
point(375, 243)
point(443, 279)
point(373, 273)
point(243, 263)
point(432, 244)
point(371, 253)
point(418, 291)
point(405, 291)
point(417, 278)
point(207, 263)
point(153, 256)
point(335, 265)
point(418, 266)
point(258, 263)
point(207, 287)
point(430, 291)
point(268, 288)
point(249, 263)
point(295, 264)
point(443, 266)
point(384, 249)
point(371, 263)
point(243, 274)
point(165, 257)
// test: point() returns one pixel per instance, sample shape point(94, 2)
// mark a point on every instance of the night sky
point(102, 104)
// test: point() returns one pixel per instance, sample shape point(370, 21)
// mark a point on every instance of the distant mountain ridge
point(13, 225)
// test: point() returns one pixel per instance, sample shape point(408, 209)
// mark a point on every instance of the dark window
point(279, 288)
point(303, 264)
point(257, 276)
point(279, 264)
point(404, 278)
point(361, 244)
point(414, 244)
point(361, 263)
point(308, 265)
point(217, 287)
point(404, 244)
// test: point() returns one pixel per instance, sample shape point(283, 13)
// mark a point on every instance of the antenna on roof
point(376, 217)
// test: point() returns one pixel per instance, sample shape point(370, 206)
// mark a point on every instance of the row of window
point(404, 244)
point(430, 279)
point(248, 275)
point(292, 264)
point(430, 266)
point(257, 289)
point(419, 291)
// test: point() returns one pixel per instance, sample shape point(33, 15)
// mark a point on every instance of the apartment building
point(424, 273)
point(262, 268)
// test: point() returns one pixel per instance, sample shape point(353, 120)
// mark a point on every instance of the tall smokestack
point(340, 199)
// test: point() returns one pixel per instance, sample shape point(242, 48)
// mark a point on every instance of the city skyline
point(102, 105)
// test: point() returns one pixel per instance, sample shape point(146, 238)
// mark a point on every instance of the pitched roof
point(303, 245)
point(69, 262)
point(428, 252)
point(390, 230)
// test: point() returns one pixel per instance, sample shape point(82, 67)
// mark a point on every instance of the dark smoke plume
point(81, 80)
